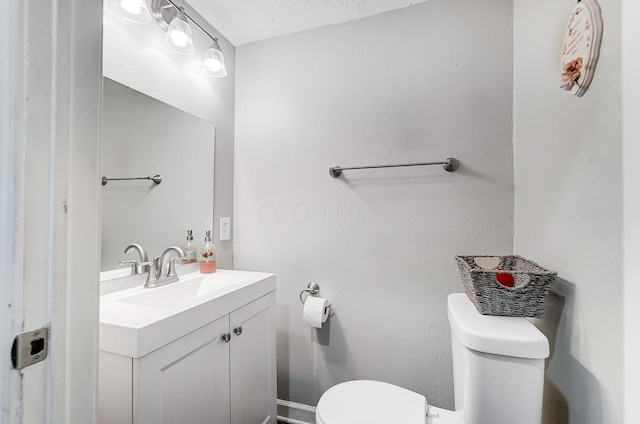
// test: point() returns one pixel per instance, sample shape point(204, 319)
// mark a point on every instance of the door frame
point(50, 115)
point(631, 206)
point(9, 380)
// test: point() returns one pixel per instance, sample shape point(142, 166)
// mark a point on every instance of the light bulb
point(131, 10)
point(179, 38)
point(213, 65)
point(131, 6)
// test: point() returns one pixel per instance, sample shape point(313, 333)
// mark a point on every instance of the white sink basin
point(137, 321)
point(120, 279)
point(183, 292)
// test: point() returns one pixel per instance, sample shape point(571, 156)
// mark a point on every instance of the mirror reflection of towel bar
point(156, 179)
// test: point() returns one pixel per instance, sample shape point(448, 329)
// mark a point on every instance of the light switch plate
point(225, 229)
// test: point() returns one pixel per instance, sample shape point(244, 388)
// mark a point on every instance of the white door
point(50, 101)
point(253, 362)
point(186, 381)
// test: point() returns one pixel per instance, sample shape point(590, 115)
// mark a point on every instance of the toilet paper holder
point(312, 288)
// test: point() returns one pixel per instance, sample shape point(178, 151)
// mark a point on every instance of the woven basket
point(524, 299)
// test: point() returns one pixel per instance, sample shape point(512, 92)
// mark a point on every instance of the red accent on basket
point(505, 278)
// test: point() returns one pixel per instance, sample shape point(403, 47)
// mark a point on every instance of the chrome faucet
point(158, 265)
point(143, 259)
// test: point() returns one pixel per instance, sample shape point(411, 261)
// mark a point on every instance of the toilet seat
point(370, 402)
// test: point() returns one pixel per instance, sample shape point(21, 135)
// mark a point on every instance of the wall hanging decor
point(581, 47)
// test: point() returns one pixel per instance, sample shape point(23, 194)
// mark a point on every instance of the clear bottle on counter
point(190, 250)
point(207, 255)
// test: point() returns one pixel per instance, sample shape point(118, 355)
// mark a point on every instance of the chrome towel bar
point(449, 165)
point(156, 179)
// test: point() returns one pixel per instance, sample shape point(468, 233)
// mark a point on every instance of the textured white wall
point(420, 84)
point(568, 208)
point(134, 56)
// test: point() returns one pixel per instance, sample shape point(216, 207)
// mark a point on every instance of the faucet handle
point(157, 266)
point(134, 266)
point(172, 266)
point(145, 266)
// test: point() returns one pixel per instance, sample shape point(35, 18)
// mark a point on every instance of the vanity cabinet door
point(253, 362)
point(186, 381)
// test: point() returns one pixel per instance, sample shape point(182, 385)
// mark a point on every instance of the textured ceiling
point(246, 21)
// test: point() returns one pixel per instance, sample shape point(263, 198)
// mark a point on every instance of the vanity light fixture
point(178, 36)
point(213, 63)
point(175, 20)
point(172, 18)
point(131, 10)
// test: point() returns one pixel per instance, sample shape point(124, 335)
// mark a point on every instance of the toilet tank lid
point(506, 336)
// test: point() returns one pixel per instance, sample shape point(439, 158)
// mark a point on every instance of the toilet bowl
point(372, 402)
point(492, 356)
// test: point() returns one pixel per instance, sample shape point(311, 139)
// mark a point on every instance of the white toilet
point(498, 373)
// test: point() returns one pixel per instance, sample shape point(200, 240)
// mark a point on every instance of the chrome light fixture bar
point(172, 18)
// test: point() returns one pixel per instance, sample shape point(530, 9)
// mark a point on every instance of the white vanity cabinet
point(186, 381)
point(220, 373)
point(253, 362)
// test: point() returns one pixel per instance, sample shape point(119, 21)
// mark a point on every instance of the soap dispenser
point(189, 248)
point(207, 255)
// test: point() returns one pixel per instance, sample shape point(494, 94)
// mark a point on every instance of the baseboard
point(295, 413)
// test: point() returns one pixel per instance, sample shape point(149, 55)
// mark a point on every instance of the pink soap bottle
point(207, 255)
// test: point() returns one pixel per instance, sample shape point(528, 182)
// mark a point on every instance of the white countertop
point(135, 321)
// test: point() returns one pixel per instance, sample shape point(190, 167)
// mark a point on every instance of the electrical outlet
point(225, 229)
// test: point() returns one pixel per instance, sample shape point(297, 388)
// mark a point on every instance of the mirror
point(141, 137)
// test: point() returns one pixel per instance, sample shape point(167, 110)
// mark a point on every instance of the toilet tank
point(498, 365)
